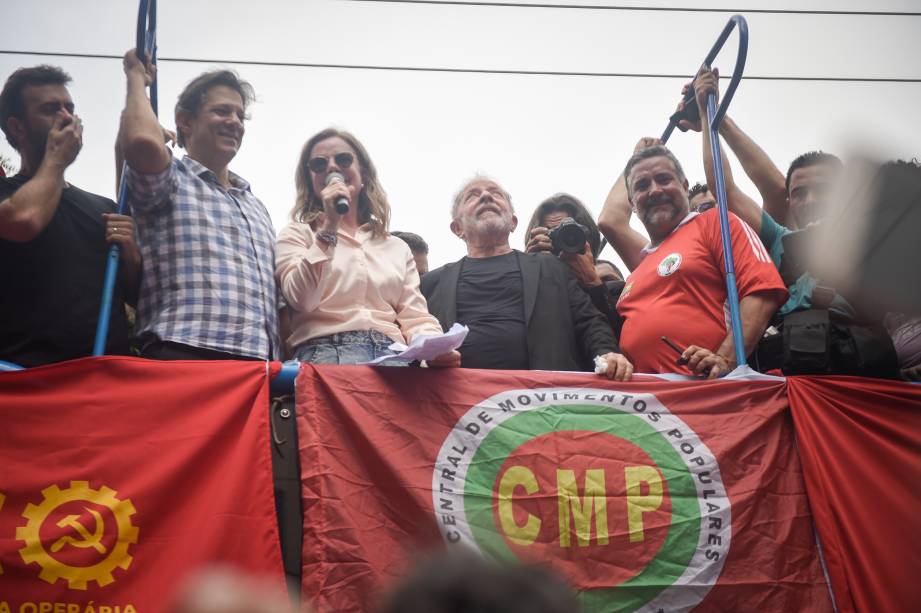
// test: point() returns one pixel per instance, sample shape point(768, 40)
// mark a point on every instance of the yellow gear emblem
point(78, 576)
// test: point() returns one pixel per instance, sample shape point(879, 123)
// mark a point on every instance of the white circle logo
point(610, 489)
point(670, 264)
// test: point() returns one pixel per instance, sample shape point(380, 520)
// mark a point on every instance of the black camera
point(568, 237)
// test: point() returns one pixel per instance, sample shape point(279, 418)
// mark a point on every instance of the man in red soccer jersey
point(678, 290)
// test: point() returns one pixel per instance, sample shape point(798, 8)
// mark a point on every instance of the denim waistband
point(352, 337)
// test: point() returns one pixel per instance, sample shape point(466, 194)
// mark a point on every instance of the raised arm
point(768, 179)
point(140, 134)
point(739, 202)
point(614, 221)
point(169, 138)
point(28, 211)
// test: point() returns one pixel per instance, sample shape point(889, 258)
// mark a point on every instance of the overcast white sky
point(537, 135)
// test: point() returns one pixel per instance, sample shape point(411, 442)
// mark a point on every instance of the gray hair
point(459, 196)
point(651, 152)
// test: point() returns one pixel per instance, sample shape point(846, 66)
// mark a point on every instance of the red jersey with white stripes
point(679, 291)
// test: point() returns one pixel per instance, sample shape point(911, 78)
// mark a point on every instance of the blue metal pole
point(150, 44)
point(715, 116)
point(146, 42)
point(283, 383)
point(732, 291)
point(108, 282)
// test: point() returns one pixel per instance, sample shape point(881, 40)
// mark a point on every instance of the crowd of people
point(209, 278)
point(444, 582)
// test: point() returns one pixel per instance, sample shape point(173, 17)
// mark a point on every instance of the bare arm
point(140, 135)
point(614, 221)
point(28, 211)
point(739, 202)
point(770, 182)
point(756, 310)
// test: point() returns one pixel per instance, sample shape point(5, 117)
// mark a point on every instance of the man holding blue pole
point(208, 286)
point(677, 289)
point(53, 236)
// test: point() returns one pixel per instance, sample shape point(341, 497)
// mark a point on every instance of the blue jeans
point(353, 347)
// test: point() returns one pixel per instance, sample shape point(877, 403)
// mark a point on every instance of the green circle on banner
point(675, 553)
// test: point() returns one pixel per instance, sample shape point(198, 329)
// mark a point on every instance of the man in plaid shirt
point(208, 245)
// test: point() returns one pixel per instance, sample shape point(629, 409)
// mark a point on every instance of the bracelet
point(330, 238)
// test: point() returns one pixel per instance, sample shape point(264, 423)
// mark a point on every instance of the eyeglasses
point(320, 164)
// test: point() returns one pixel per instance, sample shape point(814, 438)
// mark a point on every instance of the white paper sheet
point(426, 346)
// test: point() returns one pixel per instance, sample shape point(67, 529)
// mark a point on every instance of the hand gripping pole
point(146, 43)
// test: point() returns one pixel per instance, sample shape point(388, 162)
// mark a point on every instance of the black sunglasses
point(320, 164)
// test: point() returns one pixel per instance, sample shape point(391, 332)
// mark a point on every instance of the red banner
point(860, 444)
point(643, 496)
point(121, 475)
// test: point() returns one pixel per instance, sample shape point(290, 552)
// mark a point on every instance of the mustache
point(653, 202)
point(656, 200)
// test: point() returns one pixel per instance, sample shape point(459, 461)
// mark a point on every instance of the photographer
point(561, 225)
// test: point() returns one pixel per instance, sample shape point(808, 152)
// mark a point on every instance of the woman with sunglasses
point(351, 288)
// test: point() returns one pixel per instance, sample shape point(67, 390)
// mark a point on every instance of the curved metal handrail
point(735, 20)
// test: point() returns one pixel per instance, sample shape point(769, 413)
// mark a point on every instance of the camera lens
point(568, 237)
point(571, 239)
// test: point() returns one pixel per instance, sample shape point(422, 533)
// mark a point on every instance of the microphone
point(342, 203)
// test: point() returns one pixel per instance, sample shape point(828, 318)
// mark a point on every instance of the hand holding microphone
point(342, 201)
point(335, 198)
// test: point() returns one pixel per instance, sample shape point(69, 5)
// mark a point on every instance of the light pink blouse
point(363, 283)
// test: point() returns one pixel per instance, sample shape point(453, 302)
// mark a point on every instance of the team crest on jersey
point(670, 264)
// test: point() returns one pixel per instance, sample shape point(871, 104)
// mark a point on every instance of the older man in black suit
point(525, 311)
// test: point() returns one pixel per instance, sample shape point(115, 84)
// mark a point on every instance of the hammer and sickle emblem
point(93, 540)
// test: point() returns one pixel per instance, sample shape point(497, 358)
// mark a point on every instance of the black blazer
point(565, 332)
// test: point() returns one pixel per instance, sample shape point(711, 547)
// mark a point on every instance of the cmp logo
point(79, 534)
point(611, 489)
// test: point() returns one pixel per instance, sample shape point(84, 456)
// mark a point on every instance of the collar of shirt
point(649, 248)
point(200, 170)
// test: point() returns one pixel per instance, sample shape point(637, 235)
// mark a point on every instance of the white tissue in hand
point(601, 365)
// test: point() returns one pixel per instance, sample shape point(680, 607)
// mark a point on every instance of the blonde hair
point(373, 208)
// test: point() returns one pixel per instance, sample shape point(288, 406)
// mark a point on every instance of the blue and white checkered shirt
point(209, 261)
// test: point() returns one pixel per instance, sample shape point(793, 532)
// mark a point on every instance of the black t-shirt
point(51, 286)
point(490, 301)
